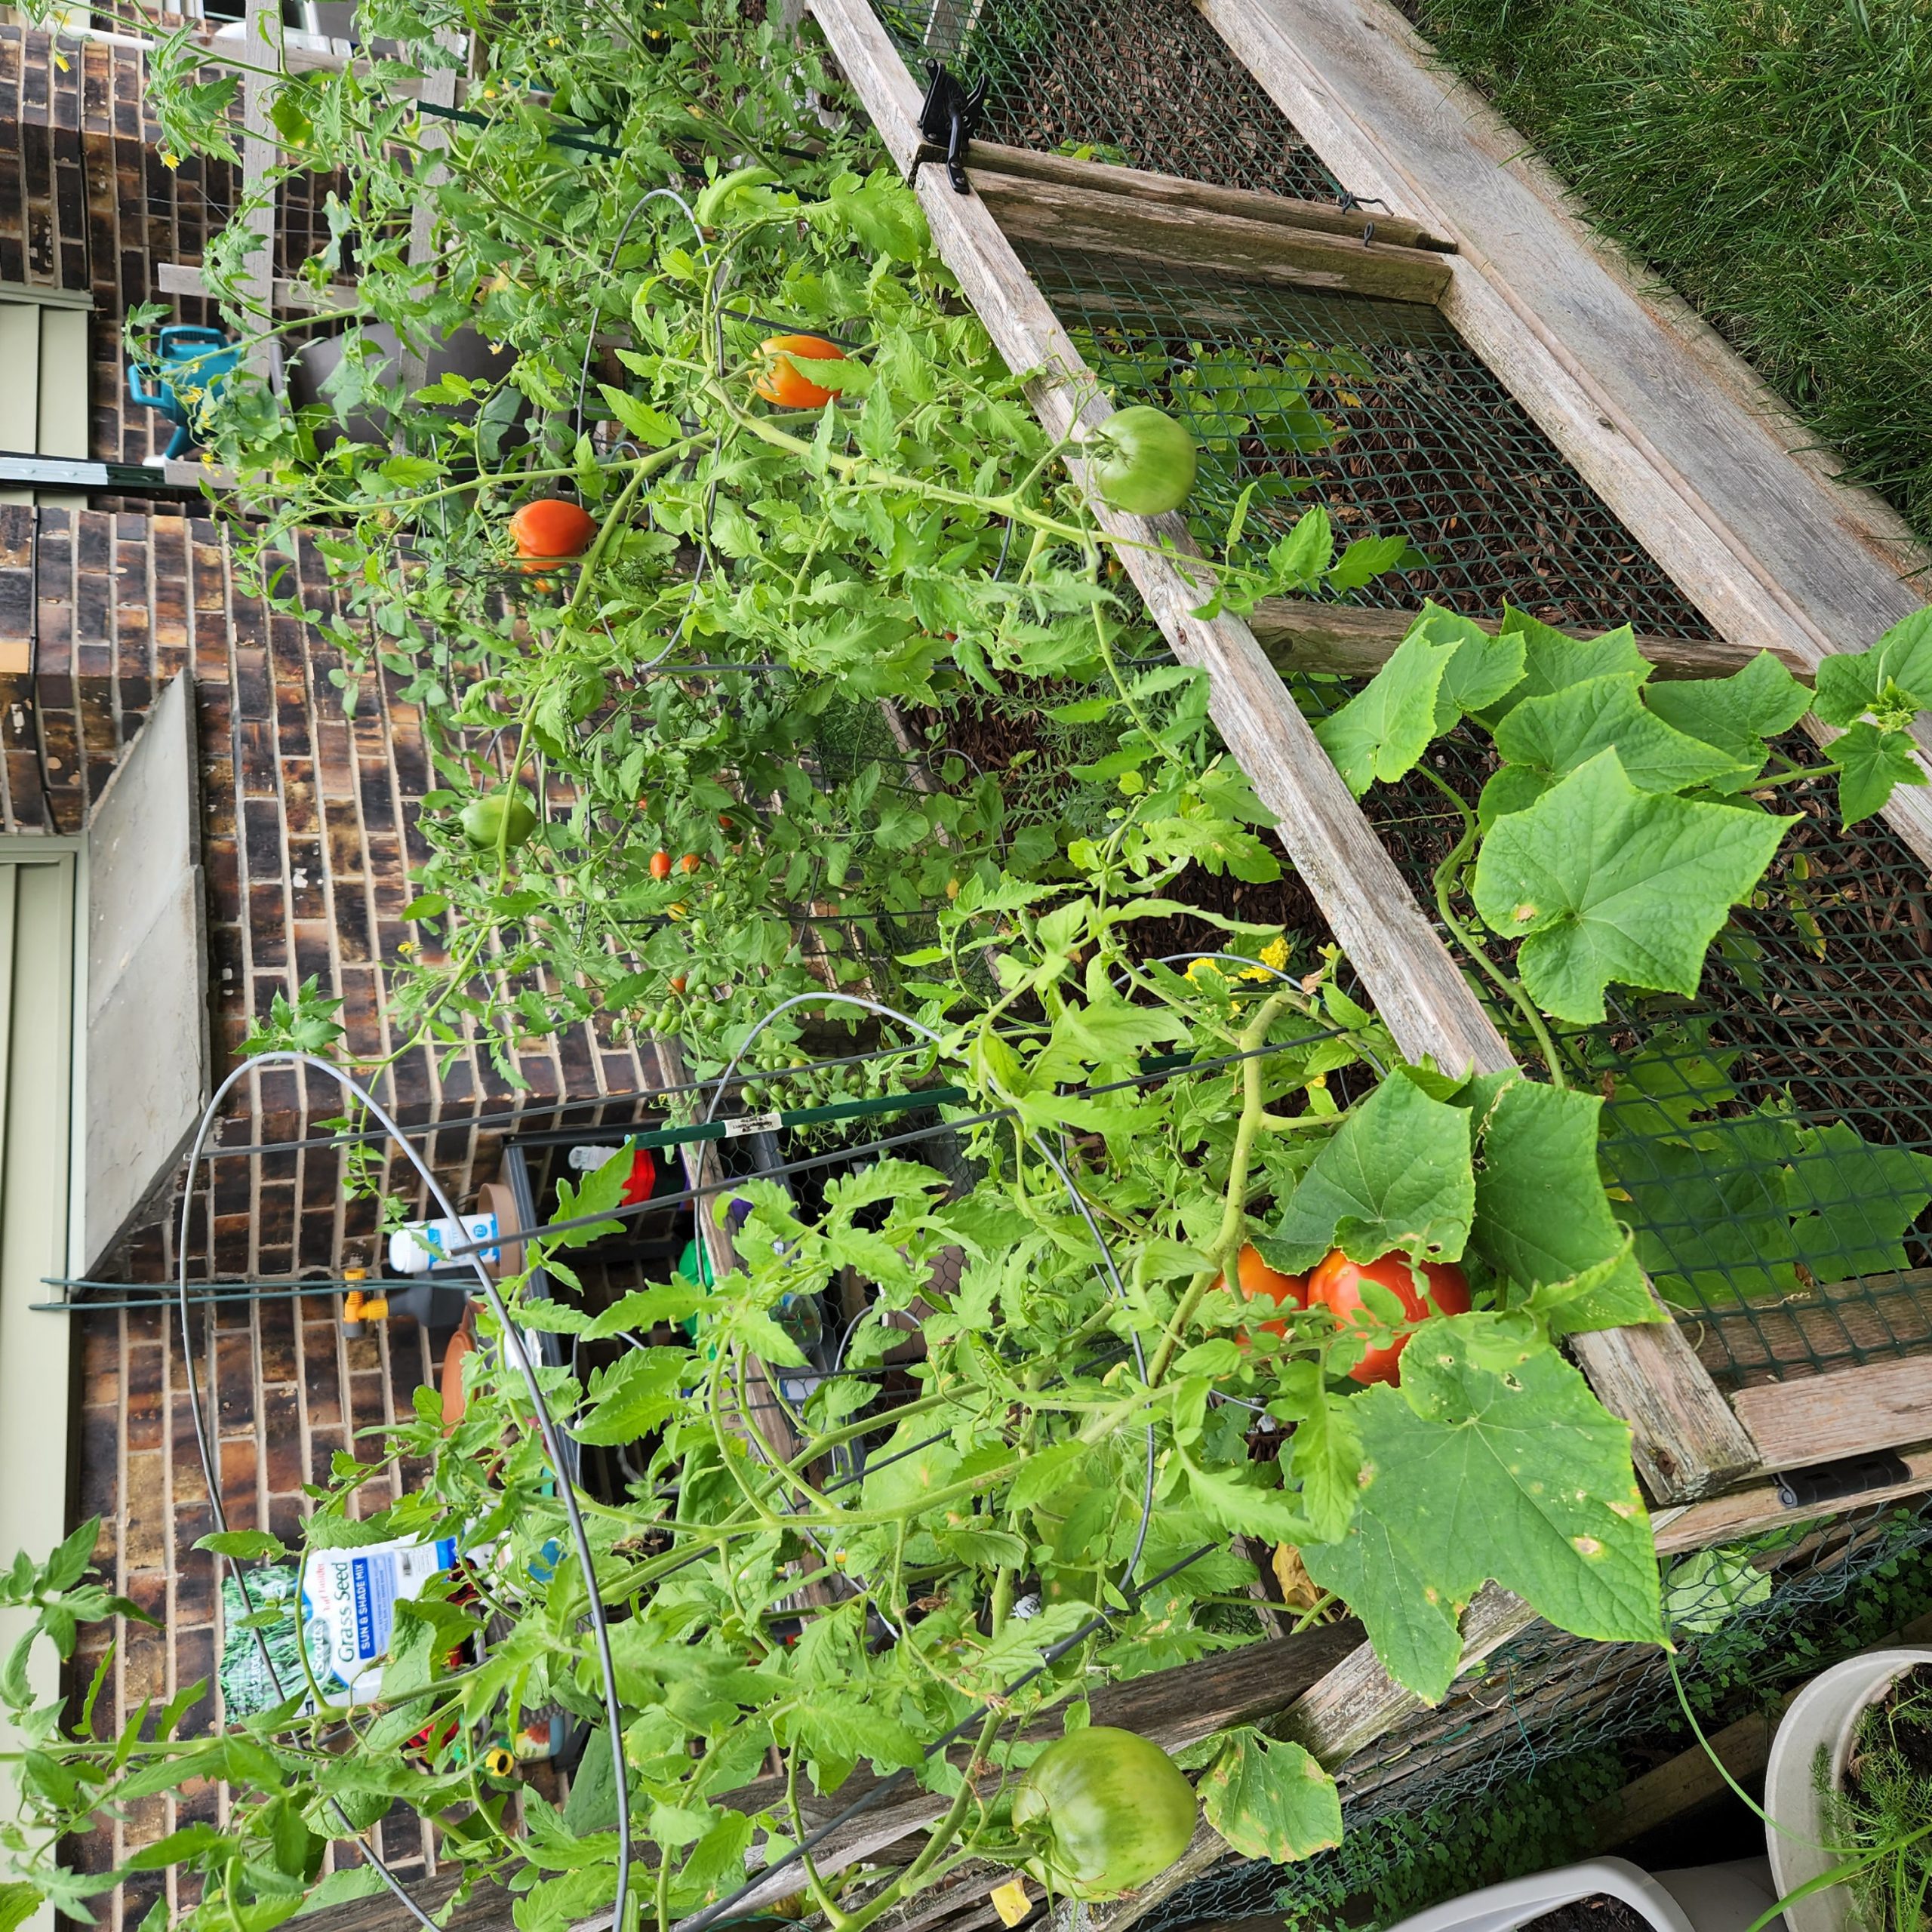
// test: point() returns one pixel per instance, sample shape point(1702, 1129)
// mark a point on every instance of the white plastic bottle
point(422, 1245)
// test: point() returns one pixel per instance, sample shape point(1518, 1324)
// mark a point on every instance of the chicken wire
point(1762, 1616)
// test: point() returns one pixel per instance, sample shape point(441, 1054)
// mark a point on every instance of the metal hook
point(948, 116)
point(1349, 203)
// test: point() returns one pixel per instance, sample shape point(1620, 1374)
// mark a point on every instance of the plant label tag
point(737, 1130)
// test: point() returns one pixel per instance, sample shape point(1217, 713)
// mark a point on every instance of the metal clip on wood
point(948, 116)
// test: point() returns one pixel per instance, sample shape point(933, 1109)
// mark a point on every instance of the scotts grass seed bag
point(349, 1601)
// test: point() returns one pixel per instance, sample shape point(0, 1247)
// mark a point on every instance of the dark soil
point(1905, 1720)
point(1601, 1914)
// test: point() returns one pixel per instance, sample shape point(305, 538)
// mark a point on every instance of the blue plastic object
point(191, 363)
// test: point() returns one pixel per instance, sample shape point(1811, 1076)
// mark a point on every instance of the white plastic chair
point(1705, 1898)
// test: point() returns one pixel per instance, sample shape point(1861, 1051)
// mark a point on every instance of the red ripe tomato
point(1336, 1285)
point(779, 382)
point(552, 528)
point(660, 864)
point(1259, 1282)
point(689, 862)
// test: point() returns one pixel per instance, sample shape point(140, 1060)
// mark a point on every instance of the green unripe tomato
point(1109, 1809)
point(483, 819)
point(1142, 461)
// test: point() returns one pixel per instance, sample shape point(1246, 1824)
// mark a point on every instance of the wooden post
point(1669, 428)
point(264, 41)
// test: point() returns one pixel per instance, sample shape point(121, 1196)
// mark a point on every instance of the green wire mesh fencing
point(1152, 86)
point(1748, 1621)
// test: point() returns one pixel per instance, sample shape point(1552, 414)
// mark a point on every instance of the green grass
point(1771, 160)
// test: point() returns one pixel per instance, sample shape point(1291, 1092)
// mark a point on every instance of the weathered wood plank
point(1174, 191)
point(186, 278)
point(1686, 1782)
point(1773, 551)
point(1878, 1314)
point(1352, 1706)
point(258, 155)
point(1821, 1418)
point(1743, 1512)
point(1417, 988)
point(1354, 640)
point(1684, 1439)
point(1166, 232)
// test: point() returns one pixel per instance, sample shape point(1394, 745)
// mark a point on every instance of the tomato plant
point(552, 528)
point(781, 380)
point(763, 663)
point(1259, 1282)
point(1145, 463)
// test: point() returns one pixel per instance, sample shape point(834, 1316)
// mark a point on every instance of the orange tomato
point(689, 862)
point(660, 864)
point(678, 984)
point(780, 381)
point(550, 527)
point(1336, 1285)
point(1259, 1282)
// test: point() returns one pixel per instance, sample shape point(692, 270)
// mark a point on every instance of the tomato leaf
point(1396, 1175)
point(634, 1395)
point(1271, 1800)
point(1487, 1463)
point(1604, 882)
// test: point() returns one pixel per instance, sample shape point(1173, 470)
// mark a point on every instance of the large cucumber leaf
point(1541, 1216)
point(1396, 1175)
point(1605, 884)
point(1489, 1461)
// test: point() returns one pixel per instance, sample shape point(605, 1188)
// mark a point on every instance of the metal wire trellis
point(1760, 1617)
point(1152, 86)
point(1768, 1141)
point(1379, 412)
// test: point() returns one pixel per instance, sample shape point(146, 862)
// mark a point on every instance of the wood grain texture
point(262, 20)
point(1821, 1418)
point(186, 278)
point(1742, 1512)
point(1683, 1437)
point(1352, 1707)
point(1175, 191)
point(1773, 552)
point(1880, 1314)
point(1417, 989)
point(1355, 640)
point(1684, 1783)
point(1167, 233)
